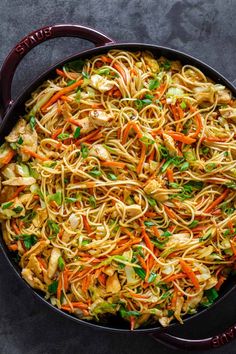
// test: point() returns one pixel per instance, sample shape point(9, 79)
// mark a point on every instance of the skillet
point(9, 110)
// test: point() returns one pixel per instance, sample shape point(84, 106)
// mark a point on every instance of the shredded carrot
point(142, 262)
point(139, 296)
point(60, 93)
point(142, 159)
point(96, 105)
point(113, 164)
point(87, 137)
point(59, 288)
point(214, 139)
point(61, 73)
point(155, 231)
point(8, 157)
point(73, 121)
point(42, 262)
point(217, 201)
point(13, 247)
point(79, 305)
point(56, 133)
point(85, 283)
point(191, 275)
point(151, 156)
point(86, 224)
point(121, 71)
point(128, 127)
point(15, 227)
point(127, 232)
point(170, 212)
point(17, 192)
point(102, 279)
point(231, 226)
point(105, 59)
point(150, 214)
point(221, 280)
point(199, 126)
point(174, 277)
point(122, 248)
point(34, 154)
point(181, 137)
point(65, 279)
point(170, 175)
point(233, 247)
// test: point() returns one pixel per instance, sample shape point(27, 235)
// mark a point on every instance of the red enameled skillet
point(10, 110)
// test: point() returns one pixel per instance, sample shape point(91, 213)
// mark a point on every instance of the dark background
point(205, 29)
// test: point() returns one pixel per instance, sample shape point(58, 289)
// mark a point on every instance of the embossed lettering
point(33, 39)
point(225, 337)
point(19, 49)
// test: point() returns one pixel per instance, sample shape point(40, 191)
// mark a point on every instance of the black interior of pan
point(17, 109)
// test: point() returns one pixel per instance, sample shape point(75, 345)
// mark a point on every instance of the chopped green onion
point(61, 263)
point(184, 166)
point(32, 122)
point(6, 205)
point(153, 84)
point(52, 288)
point(193, 224)
point(140, 272)
point(77, 133)
point(183, 105)
point(17, 209)
point(53, 226)
point(70, 200)
point(63, 136)
point(85, 75)
point(149, 223)
point(151, 201)
point(95, 173)
point(92, 201)
point(104, 71)
point(84, 151)
point(57, 197)
point(20, 141)
point(71, 82)
point(112, 177)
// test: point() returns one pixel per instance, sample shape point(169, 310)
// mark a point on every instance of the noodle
point(118, 188)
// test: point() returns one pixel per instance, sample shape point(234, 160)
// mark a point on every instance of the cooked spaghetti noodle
point(118, 188)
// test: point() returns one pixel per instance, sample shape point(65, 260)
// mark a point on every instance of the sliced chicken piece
point(101, 83)
point(204, 94)
point(86, 125)
point(99, 117)
point(228, 113)
point(133, 210)
point(178, 308)
point(113, 284)
point(108, 270)
point(33, 281)
point(151, 62)
point(30, 140)
point(165, 321)
point(9, 171)
point(53, 262)
point(19, 129)
point(170, 144)
point(224, 96)
point(100, 151)
point(41, 216)
point(19, 181)
point(34, 265)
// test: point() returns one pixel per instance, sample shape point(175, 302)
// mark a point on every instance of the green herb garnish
point(77, 133)
point(6, 205)
point(61, 263)
point(153, 84)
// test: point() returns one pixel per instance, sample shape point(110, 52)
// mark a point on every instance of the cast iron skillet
point(11, 110)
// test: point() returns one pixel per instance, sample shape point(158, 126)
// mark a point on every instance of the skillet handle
point(32, 40)
point(196, 344)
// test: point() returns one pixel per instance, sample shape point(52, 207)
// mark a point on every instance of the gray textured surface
point(205, 29)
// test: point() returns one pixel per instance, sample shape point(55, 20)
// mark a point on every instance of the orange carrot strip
point(56, 133)
point(34, 154)
point(73, 121)
point(170, 212)
point(170, 175)
point(129, 126)
point(113, 164)
point(62, 92)
point(155, 231)
point(102, 279)
point(105, 59)
point(121, 71)
point(17, 192)
point(199, 126)
point(147, 240)
point(139, 296)
point(8, 157)
point(215, 139)
point(80, 305)
point(59, 288)
point(126, 231)
point(142, 159)
point(15, 227)
point(142, 262)
point(86, 224)
point(191, 275)
point(151, 156)
point(122, 248)
point(220, 282)
point(150, 214)
point(65, 279)
point(87, 137)
point(174, 277)
point(13, 247)
point(181, 137)
point(231, 226)
point(217, 201)
point(60, 73)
